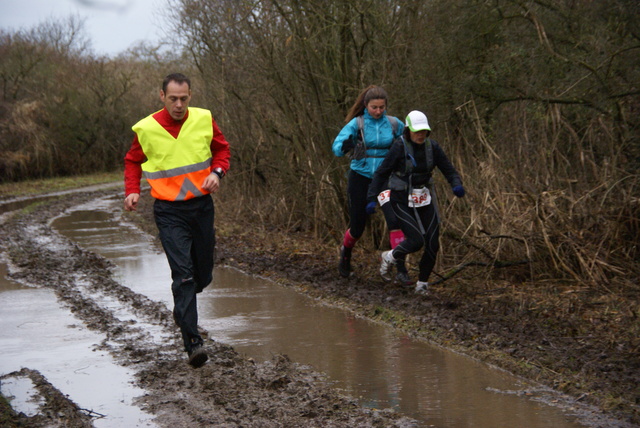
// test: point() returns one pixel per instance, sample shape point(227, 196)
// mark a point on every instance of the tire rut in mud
point(228, 391)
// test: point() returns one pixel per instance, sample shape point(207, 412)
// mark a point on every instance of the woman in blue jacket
point(367, 136)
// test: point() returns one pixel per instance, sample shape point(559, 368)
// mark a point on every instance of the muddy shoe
point(403, 279)
point(422, 287)
point(197, 356)
point(386, 264)
point(344, 267)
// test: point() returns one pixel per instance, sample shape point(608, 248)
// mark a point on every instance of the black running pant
point(187, 236)
point(414, 239)
point(357, 188)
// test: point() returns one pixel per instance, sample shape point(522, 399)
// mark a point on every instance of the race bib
point(420, 197)
point(383, 197)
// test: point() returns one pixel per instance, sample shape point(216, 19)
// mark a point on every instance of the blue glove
point(371, 207)
point(458, 191)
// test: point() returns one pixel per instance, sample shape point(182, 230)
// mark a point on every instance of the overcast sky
point(112, 25)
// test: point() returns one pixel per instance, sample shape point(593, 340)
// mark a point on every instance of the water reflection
point(37, 333)
point(367, 360)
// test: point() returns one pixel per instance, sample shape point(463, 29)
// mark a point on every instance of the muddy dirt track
point(595, 367)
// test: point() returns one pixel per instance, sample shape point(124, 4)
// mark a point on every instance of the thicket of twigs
point(535, 102)
point(65, 110)
point(543, 211)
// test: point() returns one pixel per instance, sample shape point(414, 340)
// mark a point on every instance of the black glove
point(348, 144)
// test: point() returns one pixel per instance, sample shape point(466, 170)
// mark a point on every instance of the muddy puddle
point(260, 319)
point(38, 333)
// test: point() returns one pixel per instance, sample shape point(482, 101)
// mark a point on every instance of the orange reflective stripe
point(179, 187)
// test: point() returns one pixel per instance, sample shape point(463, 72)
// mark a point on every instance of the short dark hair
point(175, 77)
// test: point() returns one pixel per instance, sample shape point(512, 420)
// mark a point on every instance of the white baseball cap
point(417, 121)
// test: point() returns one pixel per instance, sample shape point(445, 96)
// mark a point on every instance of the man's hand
point(211, 183)
point(131, 202)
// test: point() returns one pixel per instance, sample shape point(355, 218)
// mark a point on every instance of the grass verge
point(48, 185)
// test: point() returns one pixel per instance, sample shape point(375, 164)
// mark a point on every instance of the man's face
point(176, 99)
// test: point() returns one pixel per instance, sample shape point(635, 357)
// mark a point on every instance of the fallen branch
point(460, 268)
point(92, 413)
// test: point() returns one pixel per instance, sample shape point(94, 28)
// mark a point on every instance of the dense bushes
point(536, 102)
point(63, 110)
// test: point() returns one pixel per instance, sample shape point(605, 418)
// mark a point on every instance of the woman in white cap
point(407, 168)
point(366, 138)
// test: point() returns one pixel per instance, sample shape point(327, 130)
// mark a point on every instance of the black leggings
point(357, 189)
point(414, 239)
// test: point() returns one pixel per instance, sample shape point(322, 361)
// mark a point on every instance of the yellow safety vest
point(176, 167)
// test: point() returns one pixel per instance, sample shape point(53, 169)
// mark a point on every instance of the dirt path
point(590, 355)
point(579, 339)
point(229, 391)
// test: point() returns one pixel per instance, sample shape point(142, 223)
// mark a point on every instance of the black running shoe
point(197, 356)
point(403, 279)
point(344, 267)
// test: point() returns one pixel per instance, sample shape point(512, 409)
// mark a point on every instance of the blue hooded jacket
point(378, 136)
